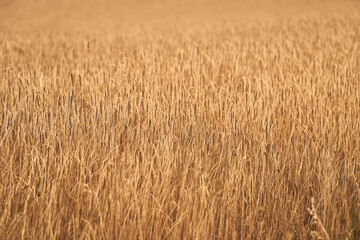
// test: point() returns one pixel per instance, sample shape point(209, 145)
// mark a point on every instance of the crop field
point(179, 119)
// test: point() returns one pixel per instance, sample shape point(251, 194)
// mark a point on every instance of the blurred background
point(93, 15)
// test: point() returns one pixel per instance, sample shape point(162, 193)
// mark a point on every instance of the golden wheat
point(200, 131)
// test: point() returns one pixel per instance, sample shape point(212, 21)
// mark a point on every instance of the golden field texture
point(191, 124)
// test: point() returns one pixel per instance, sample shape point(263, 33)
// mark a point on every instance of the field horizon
point(179, 120)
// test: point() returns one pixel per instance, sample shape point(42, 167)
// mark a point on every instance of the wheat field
point(179, 120)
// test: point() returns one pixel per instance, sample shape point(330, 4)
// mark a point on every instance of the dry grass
point(220, 129)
